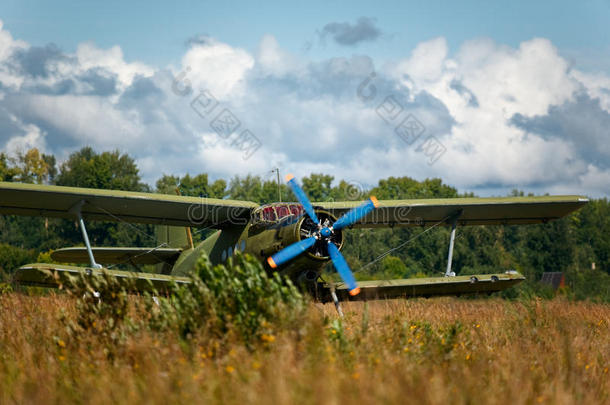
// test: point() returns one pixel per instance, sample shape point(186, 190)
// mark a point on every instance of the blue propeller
point(298, 191)
point(290, 252)
point(343, 269)
point(355, 214)
point(324, 233)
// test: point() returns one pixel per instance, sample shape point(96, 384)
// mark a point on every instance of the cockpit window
point(277, 211)
point(269, 214)
point(282, 211)
point(296, 209)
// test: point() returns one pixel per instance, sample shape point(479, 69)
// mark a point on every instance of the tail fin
point(173, 236)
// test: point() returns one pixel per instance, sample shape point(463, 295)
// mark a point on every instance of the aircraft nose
point(325, 232)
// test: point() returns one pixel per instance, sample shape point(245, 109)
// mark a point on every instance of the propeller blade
point(290, 252)
point(298, 191)
point(356, 214)
point(343, 269)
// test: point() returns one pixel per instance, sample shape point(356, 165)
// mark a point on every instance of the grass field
point(436, 351)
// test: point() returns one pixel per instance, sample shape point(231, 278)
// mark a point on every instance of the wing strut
point(76, 210)
point(453, 219)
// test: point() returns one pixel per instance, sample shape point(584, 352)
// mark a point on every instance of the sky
point(488, 97)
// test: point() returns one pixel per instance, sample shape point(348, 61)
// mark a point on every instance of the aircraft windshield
point(278, 211)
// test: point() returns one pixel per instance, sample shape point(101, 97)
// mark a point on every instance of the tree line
point(578, 245)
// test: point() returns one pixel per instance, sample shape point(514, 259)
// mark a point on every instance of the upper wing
point(425, 287)
point(112, 205)
point(470, 211)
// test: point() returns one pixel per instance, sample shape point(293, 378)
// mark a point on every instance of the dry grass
point(435, 351)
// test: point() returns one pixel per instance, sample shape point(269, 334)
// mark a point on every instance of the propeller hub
point(325, 232)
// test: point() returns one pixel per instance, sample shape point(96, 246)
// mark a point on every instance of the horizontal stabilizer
point(118, 255)
point(54, 275)
point(425, 287)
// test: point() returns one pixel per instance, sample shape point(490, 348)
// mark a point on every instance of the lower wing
point(423, 287)
point(55, 275)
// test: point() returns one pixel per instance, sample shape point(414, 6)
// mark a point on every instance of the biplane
point(296, 239)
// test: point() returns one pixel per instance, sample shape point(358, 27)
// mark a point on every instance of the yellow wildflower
point(267, 338)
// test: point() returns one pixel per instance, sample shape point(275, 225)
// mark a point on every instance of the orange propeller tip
point(375, 201)
point(289, 177)
point(271, 262)
point(354, 292)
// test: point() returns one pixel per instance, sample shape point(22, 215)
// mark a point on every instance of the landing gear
point(313, 283)
point(336, 301)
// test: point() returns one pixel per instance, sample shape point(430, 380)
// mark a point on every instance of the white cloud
point(483, 87)
point(274, 61)
point(217, 67)
point(89, 120)
point(526, 80)
point(33, 138)
point(89, 56)
point(425, 65)
point(7, 44)
point(596, 85)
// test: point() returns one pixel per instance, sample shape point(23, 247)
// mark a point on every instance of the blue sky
point(155, 31)
point(488, 96)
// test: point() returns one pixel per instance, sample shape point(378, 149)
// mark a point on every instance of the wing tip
point(354, 291)
point(375, 201)
point(289, 177)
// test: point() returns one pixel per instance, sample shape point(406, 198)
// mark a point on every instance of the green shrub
point(12, 257)
point(102, 311)
point(237, 300)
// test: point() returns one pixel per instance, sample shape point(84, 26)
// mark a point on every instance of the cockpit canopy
point(276, 212)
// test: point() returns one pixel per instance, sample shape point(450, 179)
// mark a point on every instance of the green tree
point(7, 171)
point(107, 170)
point(318, 187)
point(12, 257)
point(196, 186)
point(399, 188)
point(393, 267)
point(32, 167)
point(253, 188)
